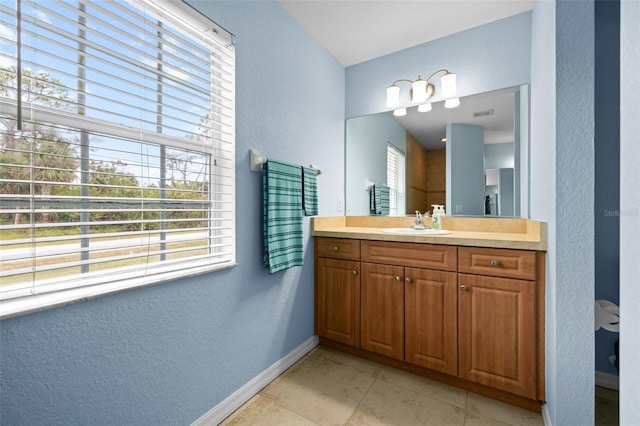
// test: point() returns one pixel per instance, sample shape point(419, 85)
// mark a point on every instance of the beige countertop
point(511, 233)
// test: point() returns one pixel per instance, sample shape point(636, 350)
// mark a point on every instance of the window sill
point(11, 308)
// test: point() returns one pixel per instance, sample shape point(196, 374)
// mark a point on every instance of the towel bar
point(256, 160)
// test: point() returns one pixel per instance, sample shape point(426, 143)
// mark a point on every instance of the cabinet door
point(338, 301)
point(431, 319)
point(382, 329)
point(497, 333)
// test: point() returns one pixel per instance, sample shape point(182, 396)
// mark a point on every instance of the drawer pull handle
point(398, 278)
point(354, 273)
point(336, 248)
point(495, 263)
point(464, 288)
point(407, 280)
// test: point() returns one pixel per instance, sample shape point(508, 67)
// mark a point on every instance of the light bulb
point(419, 91)
point(400, 112)
point(448, 85)
point(452, 103)
point(424, 107)
point(393, 96)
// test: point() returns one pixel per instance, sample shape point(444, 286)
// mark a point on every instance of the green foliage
point(45, 154)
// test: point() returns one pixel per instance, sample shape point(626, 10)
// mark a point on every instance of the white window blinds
point(116, 144)
point(395, 180)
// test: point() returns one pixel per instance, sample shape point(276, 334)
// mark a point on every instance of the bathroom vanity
point(465, 308)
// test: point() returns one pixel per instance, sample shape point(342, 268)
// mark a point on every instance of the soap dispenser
point(436, 217)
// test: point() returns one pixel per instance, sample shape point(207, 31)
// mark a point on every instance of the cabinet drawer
point(430, 256)
point(506, 263)
point(338, 248)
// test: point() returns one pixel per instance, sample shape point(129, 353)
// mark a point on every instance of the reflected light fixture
point(400, 112)
point(425, 107)
point(423, 90)
point(452, 102)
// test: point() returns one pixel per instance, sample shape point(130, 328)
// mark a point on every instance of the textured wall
point(562, 194)
point(630, 219)
point(575, 186)
point(169, 353)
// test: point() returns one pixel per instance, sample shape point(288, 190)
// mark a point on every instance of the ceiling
point(354, 31)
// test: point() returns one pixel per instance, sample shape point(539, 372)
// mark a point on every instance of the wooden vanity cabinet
point(408, 303)
point(475, 314)
point(431, 320)
point(382, 309)
point(337, 297)
point(497, 319)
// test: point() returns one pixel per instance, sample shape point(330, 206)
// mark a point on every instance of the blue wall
point(169, 353)
point(366, 152)
point(485, 58)
point(465, 169)
point(498, 155)
point(562, 194)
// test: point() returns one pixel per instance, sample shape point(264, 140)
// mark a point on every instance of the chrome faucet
point(418, 224)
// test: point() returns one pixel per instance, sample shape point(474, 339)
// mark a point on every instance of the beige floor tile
point(424, 386)
point(388, 404)
point(473, 419)
point(323, 357)
point(325, 387)
point(496, 410)
point(265, 412)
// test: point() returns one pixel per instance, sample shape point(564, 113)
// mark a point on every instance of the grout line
point(466, 408)
point(362, 399)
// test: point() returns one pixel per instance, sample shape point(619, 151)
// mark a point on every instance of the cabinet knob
point(398, 278)
point(336, 248)
point(407, 280)
point(464, 288)
point(495, 263)
point(354, 273)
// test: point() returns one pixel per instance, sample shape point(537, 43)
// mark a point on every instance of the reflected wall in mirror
point(473, 159)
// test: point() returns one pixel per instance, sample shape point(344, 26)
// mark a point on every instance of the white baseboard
point(546, 419)
point(607, 380)
point(234, 401)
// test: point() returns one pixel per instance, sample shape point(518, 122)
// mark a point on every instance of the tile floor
point(328, 387)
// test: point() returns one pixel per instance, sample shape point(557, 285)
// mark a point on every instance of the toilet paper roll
point(607, 316)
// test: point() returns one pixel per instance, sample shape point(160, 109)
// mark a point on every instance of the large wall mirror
point(473, 159)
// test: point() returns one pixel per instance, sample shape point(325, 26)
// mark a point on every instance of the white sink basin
point(412, 231)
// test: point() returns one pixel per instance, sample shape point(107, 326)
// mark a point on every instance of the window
point(395, 180)
point(116, 148)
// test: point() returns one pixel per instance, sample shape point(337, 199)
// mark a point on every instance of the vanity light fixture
point(423, 90)
point(400, 112)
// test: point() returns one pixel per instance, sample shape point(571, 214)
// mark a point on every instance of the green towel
point(379, 200)
point(384, 200)
point(282, 215)
point(310, 191)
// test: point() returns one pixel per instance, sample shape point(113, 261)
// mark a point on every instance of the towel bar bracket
point(256, 160)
